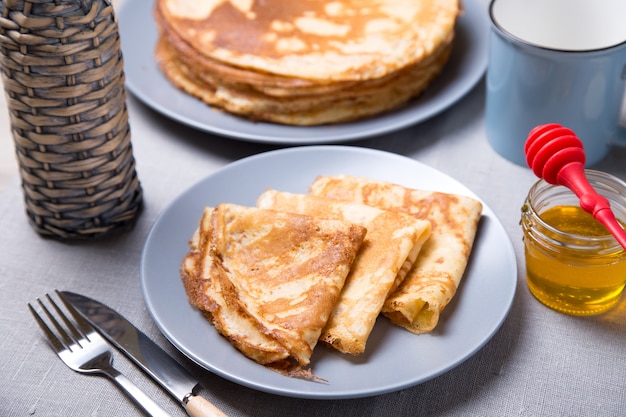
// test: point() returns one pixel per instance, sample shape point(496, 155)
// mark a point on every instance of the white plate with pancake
point(144, 79)
point(394, 358)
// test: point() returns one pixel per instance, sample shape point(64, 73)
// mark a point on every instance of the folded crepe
point(428, 288)
point(391, 245)
point(269, 280)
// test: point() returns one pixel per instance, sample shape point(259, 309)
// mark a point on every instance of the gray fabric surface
point(540, 363)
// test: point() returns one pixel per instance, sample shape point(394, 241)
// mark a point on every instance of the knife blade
point(145, 353)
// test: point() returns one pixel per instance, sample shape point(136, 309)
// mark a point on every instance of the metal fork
point(82, 349)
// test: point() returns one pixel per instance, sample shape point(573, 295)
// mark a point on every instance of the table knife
point(145, 353)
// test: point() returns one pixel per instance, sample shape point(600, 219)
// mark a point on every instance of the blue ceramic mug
point(557, 61)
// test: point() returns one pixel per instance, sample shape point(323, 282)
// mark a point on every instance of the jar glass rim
point(609, 182)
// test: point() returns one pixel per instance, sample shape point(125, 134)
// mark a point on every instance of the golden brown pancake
point(307, 62)
point(391, 245)
point(306, 106)
point(269, 280)
point(311, 39)
point(436, 275)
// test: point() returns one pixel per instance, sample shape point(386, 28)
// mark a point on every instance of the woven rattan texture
point(62, 69)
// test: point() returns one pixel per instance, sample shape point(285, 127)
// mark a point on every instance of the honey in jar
point(573, 264)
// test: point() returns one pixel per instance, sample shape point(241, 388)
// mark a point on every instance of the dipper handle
point(555, 154)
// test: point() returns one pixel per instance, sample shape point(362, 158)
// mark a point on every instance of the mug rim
point(508, 36)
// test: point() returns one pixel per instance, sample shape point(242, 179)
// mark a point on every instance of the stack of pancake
point(305, 62)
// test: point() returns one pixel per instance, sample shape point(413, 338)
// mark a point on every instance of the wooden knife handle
point(197, 406)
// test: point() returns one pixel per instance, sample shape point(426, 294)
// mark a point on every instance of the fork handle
point(146, 403)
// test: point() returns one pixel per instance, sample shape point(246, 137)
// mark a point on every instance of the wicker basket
point(62, 70)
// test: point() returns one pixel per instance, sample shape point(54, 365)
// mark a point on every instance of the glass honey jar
point(573, 264)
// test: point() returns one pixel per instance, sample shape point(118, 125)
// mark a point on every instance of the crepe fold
point(268, 280)
point(436, 275)
point(391, 245)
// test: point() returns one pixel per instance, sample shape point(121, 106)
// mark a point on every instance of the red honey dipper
point(555, 154)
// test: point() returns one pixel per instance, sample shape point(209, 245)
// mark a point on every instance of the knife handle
point(197, 406)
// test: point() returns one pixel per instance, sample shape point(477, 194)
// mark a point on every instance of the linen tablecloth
point(539, 363)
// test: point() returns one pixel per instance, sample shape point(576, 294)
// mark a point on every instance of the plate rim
point(452, 85)
point(301, 392)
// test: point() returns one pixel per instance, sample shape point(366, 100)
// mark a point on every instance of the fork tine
point(77, 332)
point(80, 325)
point(56, 343)
point(67, 339)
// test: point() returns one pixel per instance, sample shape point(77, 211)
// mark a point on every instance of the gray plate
point(143, 78)
point(394, 358)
